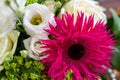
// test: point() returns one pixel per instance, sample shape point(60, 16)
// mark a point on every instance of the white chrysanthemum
point(8, 45)
point(88, 7)
point(36, 19)
point(33, 45)
point(7, 19)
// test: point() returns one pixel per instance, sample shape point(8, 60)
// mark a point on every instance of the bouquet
point(57, 40)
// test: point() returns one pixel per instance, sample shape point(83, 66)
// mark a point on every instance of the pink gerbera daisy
point(81, 47)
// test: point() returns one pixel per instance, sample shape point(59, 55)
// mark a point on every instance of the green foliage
point(19, 26)
point(33, 1)
point(114, 25)
point(20, 68)
point(20, 44)
point(23, 35)
point(69, 76)
point(63, 2)
point(116, 57)
point(58, 6)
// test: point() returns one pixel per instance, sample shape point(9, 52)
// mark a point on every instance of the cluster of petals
point(95, 39)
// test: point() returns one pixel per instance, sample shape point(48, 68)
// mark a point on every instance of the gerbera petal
point(89, 24)
point(81, 46)
point(79, 21)
point(59, 67)
point(76, 72)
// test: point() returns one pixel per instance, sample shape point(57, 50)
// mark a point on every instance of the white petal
point(33, 47)
point(7, 19)
point(43, 11)
point(89, 7)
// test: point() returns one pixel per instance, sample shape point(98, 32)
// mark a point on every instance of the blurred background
point(110, 4)
point(114, 73)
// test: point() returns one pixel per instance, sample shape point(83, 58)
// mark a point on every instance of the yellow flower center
point(36, 19)
point(37, 45)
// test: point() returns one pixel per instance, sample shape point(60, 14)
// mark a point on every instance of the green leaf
point(116, 57)
point(116, 23)
point(33, 1)
point(20, 44)
point(69, 76)
point(116, 60)
point(109, 23)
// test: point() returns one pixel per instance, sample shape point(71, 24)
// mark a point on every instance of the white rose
point(36, 19)
point(33, 45)
point(7, 19)
point(8, 45)
point(89, 7)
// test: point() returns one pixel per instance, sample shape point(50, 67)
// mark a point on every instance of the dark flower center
point(76, 51)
